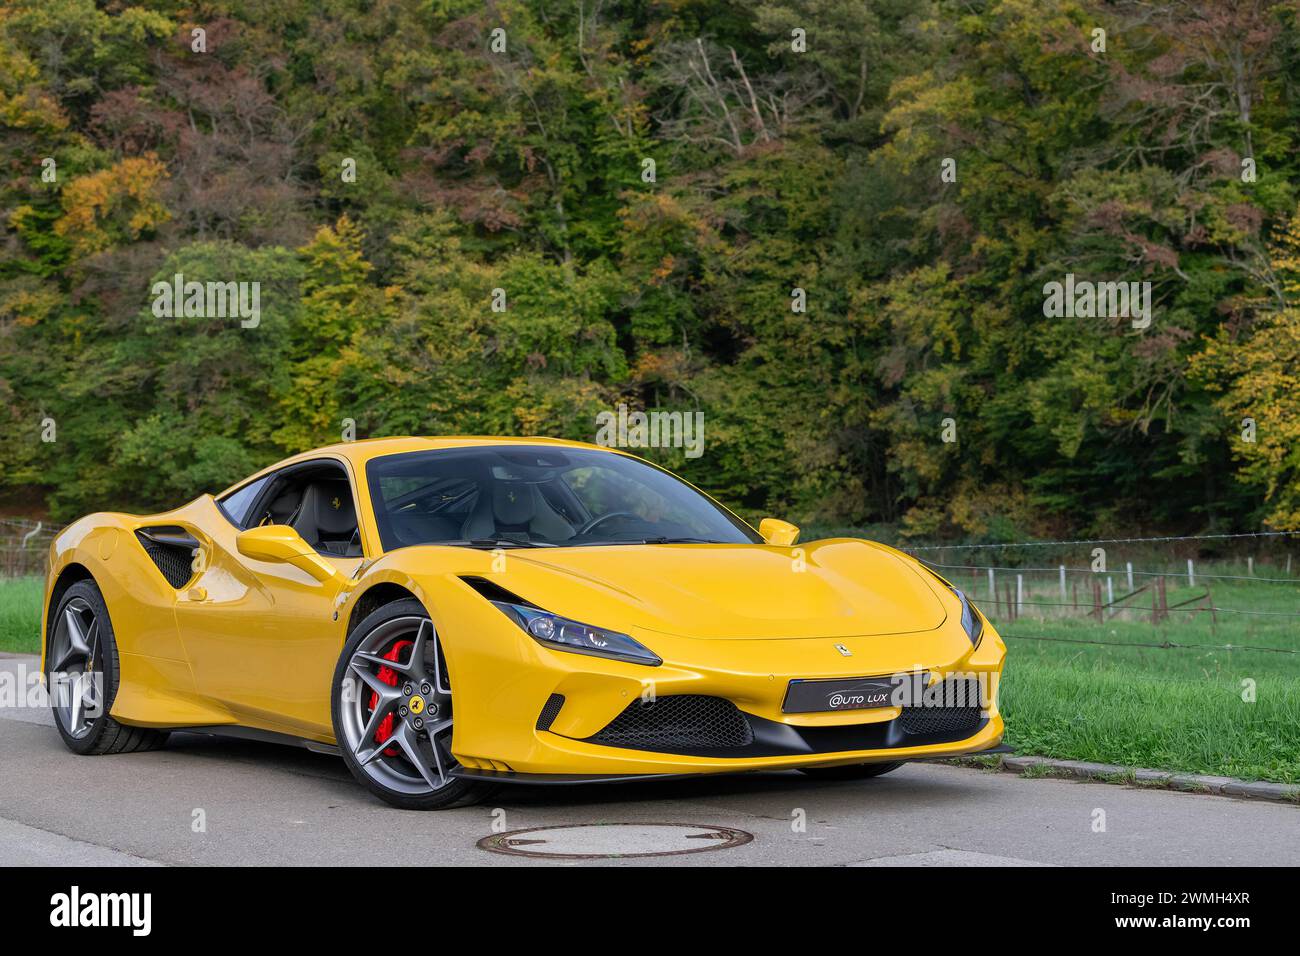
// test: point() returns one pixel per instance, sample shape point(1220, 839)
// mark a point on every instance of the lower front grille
point(696, 725)
point(952, 707)
point(682, 722)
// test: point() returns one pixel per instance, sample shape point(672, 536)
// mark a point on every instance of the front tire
point(854, 771)
point(391, 705)
point(83, 674)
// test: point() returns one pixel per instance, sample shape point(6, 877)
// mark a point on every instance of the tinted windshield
point(526, 496)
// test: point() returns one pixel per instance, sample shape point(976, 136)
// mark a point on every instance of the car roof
point(358, 453)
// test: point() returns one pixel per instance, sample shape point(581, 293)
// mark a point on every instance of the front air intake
point(550, 710)
point(686, 722)
point(954, 708)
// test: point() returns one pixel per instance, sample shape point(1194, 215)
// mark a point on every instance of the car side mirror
point(280, 544)
point(778, 532)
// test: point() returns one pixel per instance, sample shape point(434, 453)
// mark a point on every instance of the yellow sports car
point(450, 614)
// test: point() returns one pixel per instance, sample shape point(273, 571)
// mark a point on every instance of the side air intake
point(172, 550)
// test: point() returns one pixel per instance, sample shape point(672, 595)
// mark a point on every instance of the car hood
point(836, 588)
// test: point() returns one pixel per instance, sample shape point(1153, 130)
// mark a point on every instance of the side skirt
point(264, 736)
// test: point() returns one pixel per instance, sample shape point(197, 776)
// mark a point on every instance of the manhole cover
point(593, 841)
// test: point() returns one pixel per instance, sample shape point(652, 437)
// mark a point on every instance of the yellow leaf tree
point(112, 206)
point(1258, 374)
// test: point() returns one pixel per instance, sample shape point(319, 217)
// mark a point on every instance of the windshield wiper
point(658, 540)
point(495, 543)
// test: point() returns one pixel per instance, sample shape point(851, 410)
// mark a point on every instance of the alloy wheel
point(396, 707)
point(77, 673)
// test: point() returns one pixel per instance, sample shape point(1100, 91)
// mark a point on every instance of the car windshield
point(526, 496)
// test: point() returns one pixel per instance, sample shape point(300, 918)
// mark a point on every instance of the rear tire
point(854, 771)
point(83, 649)
point(405, 762)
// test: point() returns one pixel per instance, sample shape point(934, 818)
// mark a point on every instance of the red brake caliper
point(389, 677)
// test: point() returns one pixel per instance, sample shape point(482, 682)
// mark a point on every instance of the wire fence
point(1128, 571)
point(1166, 594)
point(1163, 645)
point(1279, 535)
point(1098, 597)
point(1005, 593)
point(25, 546)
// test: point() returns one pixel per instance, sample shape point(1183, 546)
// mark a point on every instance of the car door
point(260, 635)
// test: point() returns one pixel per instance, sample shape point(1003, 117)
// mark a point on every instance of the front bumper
point(574, 779)
point(508, 681)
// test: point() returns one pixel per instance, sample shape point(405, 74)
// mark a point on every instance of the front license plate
point(854, 693)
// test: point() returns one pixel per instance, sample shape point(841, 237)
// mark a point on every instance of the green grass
point(1116, 715)
point(20, 614)
point(1077, 689)
point(1081, 690)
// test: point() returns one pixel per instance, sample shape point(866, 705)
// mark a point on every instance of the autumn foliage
point(652, 187)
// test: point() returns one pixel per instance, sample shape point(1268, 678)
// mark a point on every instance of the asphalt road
point(265, 804)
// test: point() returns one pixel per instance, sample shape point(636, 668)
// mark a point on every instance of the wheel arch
point(69, 575)
point(375, 597)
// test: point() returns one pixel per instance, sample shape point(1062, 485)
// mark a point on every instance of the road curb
point(1113, 773)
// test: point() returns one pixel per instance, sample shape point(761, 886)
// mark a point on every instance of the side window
point(236, 504)
point(314, 498)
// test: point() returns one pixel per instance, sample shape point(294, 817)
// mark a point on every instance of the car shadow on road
point(784, 786)
point(278, 756)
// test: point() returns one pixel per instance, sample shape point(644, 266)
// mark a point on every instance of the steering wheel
point(594, 522)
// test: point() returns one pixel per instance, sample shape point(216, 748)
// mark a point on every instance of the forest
point(828, 226)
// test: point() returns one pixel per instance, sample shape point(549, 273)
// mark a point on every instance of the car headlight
point(564, 634)
point(971, 621)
